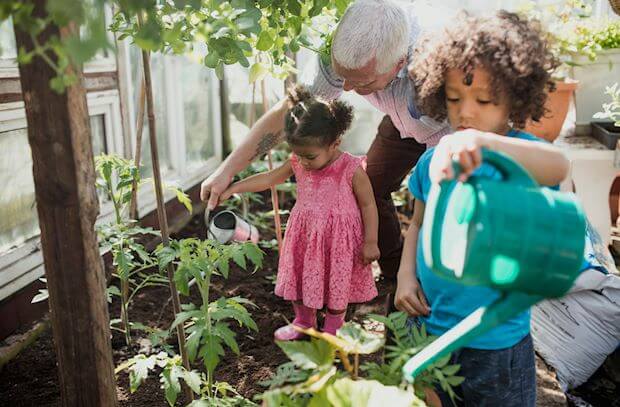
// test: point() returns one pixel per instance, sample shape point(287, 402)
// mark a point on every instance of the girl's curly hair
point(311, 121)
point(512, 49)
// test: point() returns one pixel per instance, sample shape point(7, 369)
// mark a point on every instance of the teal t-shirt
point(451, 302)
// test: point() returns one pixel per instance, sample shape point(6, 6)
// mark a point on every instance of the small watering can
point(226, 226)
point(509, 234)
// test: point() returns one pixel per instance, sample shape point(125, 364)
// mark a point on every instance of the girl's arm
point(545, 162)
point(409, 296)
point(260, 182)
point(366, 201)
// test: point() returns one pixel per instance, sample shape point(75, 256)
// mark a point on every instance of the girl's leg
point(305, 317)
point(334, 319)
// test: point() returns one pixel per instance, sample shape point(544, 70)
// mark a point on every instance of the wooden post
point(64, 178)
point(227, 144)
point(161, 207)
point(274, 192)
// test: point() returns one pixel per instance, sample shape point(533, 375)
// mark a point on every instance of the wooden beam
point(64, 177)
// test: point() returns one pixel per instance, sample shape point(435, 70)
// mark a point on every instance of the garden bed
point(31, 379)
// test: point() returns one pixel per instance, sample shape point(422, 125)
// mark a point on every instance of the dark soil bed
point(31, 378)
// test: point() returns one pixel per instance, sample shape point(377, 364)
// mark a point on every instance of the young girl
point(331, 237)
point(487, 76)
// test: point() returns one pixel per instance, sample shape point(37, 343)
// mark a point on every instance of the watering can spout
point(477, 323)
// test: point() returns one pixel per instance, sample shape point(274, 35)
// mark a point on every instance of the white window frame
point(24, 264)
point(9, 69)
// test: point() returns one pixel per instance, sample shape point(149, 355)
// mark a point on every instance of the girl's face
point(314, 158)
point(476, 106)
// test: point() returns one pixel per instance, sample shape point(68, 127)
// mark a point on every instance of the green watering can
point(509, 234)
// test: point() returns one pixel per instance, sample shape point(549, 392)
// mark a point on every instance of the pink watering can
point(226, 226)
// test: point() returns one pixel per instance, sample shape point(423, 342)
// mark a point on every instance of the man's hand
point(213, 187)
point(370, 252)
point(409, 296)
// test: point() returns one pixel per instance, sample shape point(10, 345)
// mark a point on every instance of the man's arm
point(263, 136)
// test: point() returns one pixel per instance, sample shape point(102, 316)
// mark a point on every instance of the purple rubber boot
point(305, 317)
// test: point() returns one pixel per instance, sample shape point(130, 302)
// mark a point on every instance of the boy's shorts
point(504, 377)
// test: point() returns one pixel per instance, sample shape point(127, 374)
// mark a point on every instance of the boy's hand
point(370, 252)
point(409, 296)
point(463, 147)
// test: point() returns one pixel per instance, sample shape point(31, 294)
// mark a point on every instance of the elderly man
point(370, 53)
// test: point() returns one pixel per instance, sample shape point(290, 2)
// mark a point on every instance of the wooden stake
point(67, 205)
point(274, 191)
point(133, 206)
point(161, 208)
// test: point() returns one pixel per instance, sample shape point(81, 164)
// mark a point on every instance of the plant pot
point(556, 108)
point(606, 133)
point(593, 77)
point(431, 398)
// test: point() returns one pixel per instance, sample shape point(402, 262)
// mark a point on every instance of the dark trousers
point(505, 377)
point(390, 159)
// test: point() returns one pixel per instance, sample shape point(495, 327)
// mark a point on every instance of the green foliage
point(311, 377)
point(172, 373)
point(409, 340)
point(208, 326)
point(234, 31)
point(573, 31)
point(611, 110)
point(58, 53)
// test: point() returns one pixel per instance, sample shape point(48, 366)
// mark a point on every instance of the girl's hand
point(228, 192)
point(409, 296)
point(370, 252)
point(463, 147)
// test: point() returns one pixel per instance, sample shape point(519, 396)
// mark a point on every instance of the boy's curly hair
point(311, 121)
point(512, 49)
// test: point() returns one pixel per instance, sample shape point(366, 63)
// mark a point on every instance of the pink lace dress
point(321, 261)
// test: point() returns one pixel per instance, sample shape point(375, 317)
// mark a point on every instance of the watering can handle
point(510, 169)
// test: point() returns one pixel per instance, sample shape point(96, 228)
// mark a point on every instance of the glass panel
point(161, 119)
point(97, 131)
point(18, 212)
point(8, 49)
point(200, 123)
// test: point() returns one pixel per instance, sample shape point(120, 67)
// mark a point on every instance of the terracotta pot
point(557, 104)
point(431, 398)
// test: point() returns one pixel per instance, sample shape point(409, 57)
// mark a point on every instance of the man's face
point(366, 80)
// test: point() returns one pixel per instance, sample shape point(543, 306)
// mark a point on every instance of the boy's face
point(314, 158)
point(475, 106)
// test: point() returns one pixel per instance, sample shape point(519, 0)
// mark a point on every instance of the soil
point(31, 379)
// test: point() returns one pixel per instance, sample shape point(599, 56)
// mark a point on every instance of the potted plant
point(588, 50)
point(608, 132)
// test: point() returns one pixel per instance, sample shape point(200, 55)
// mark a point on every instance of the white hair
point(371, 28)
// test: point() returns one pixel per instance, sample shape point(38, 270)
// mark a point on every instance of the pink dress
point(321, 261)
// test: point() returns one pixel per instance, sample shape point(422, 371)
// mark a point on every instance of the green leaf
point(308, 355)
point(359, 340)
point(165, 256)
point(342, 5)
point(265, 41)
point(184, 199)
point(254, 253)
point(172, 386)
point(139, 371)
point(192, 343)
point(222, 330)
point(450, 370)
point(455, 380)
point(257, 72)
point(239, 258)
point(212, 59)
point(193, 380)
point(183, 316)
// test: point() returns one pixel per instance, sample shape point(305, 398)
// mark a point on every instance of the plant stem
point(203, 287)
